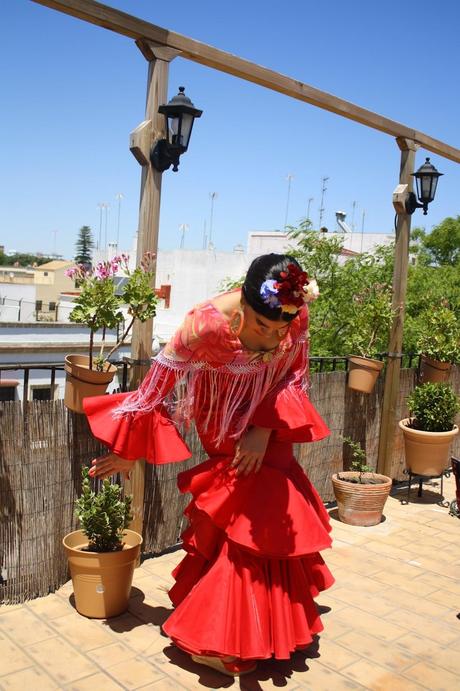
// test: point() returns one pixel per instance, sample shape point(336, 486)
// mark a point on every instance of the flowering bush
point(99, 307)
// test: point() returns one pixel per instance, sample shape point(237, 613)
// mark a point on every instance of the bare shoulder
point(227, 303)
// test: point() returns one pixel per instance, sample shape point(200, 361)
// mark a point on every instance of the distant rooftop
point(55, 264)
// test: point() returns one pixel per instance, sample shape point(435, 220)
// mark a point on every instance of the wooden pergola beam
point(140, 30)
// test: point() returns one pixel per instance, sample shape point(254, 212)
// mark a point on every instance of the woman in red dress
point(238, 368)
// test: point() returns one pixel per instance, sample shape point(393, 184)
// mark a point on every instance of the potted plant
point(430, 429)
point(439, 343)
point(360, 493)
point(368, 329)
point(99, 308)
point(102, 555)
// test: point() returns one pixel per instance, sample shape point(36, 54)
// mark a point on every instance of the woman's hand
point(250, 450)
point(110, 464)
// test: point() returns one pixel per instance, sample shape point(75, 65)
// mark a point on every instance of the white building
point(44, 343)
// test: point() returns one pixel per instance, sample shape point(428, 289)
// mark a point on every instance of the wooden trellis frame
point(159, 46)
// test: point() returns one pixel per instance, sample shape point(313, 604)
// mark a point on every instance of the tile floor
point(391, 621)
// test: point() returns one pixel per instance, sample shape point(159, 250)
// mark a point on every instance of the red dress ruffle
point(289, 412)
point(153, 437)
point(252, 569)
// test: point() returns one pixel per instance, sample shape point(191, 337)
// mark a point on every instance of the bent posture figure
point(238, 368)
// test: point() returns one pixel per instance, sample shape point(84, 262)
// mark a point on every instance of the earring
point(236, 322)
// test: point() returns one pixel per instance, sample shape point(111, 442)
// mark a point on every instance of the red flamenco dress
point(252, 567)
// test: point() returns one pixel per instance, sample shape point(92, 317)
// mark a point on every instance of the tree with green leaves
point(84, 246)
point(443, 243)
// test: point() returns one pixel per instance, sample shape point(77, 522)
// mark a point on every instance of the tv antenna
point(323, 191)
point(183, 228)
point(289, 178)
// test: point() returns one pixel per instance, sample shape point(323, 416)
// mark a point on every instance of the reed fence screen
point(43, 446)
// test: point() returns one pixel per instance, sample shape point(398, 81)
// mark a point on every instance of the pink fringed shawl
point(218, 381)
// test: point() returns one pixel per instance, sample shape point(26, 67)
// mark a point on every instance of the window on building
point(7, 393)
point(52, 306)
point(38, 305)
point(43, 392)
point(45, 273)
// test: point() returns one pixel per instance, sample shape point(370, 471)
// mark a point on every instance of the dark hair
point(264, 268)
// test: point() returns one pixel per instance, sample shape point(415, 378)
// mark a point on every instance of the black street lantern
point(179, 116)
point(426, 179)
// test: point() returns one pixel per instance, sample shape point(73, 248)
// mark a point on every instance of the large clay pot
point(434, 370)
point(427, 453)
point(102, 580)
point(358, 503)
point(363, 373)
point(82, 382)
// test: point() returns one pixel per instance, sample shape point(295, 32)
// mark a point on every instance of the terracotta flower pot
point(361, 504)
point(427, 453)
point(363, 373)
point(102, 580)
point(434, 370)
point(82, 382)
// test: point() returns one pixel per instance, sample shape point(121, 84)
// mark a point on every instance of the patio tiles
point(390, 622)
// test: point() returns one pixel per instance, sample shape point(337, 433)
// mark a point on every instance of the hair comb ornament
point(293, 290)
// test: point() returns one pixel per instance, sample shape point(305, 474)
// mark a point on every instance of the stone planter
point(101, 580)
point(363, 373)
point(82, 382)
point(358, 503)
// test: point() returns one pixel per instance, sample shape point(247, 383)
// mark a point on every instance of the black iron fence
point(8, 388)
point(317, 364)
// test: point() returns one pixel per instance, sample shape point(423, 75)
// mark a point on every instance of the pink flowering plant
point(100, 308)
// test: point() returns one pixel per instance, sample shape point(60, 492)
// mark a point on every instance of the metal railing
point(340, 362)
point(54, 367)
point(317, 364)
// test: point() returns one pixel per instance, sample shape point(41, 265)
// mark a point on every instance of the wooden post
point(393, 369)
point(141, 141)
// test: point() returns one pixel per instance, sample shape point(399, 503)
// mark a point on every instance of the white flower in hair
point(311, 291)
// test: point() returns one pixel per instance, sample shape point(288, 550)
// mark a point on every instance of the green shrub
point(440, 335)
point(358, 455)
point(433, 407)
point(104, 516)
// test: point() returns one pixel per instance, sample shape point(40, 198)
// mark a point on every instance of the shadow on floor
point(143, 613)
point(431, 494)
point(277, 671)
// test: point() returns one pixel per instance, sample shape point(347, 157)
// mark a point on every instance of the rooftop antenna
point(353, 209)
point(119, 196)
point(321, 208)
point(289, 177)
point(205, 237)
point(310, 199)
point(362, 229)
point(212, 196)
point(183, 228)
point(100, 206)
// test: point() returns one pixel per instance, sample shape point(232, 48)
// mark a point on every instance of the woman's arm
point(250, 450)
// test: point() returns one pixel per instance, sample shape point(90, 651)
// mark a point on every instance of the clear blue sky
point(72, 92)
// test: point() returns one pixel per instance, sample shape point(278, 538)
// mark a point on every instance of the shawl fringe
point(224, 397)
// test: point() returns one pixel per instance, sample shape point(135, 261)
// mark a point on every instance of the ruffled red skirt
point(246, 586)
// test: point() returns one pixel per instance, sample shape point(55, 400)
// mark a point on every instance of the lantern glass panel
point(174, 127)
point(426, 188)
point(186, 129)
